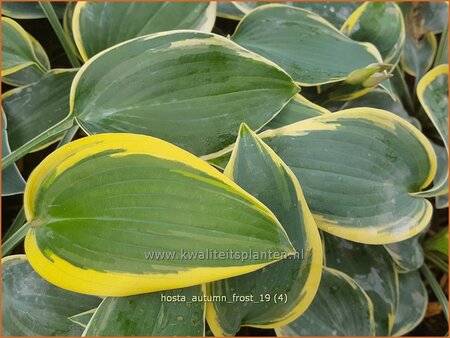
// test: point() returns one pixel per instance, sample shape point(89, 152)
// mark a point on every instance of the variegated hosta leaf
point(340, 308)
point(30, 9)
point(422, 20)
point(334, 12)
point(432, 92)
point(33, 109)
point(99, 25)
point(33, 307)
point(150, 315)
point(149, 86)
point(23, 59)
point(12, 180)
point(408, 255)
point(380, 23)
point(412, 304)
point(372, 268)
point(418, 55)
point(142, 217)
point(381, 99)
point(442, 51)
point(441, 201)
point(309, 48)
point(228, 10)
point(429, 16)
point(256, 168)
point(298, 109)
point(354, 165)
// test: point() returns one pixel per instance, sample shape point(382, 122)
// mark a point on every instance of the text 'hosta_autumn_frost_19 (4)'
point(224, 168)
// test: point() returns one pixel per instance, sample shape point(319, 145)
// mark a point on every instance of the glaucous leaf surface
point(412, 304)
point(418, 55)
point(381, 99)
point(432, 92)
point(150, 315)
point(12, 180)
point(426, 15)
point(33, 109)
point(309, 48)
point(334, 12)
point(228, 10)
point(408, 255)
point(100, 25)
point(354, 164)
point(372, 268)
point(340, 308)
point(380, 23)
point(125, 214)
point(349, 180)
point(30, 9)
point(149, 86)
point(298, 109)
point(284, 290)
point(441, 201)
point(422, 21)
point(23, 58)
point(33, 307)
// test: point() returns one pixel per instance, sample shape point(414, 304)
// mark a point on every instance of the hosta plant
point(209, 168)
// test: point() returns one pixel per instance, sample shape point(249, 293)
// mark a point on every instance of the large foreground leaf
point(151, 314)
point(189, 88)
point(354, 165)
point(23, 58)
point(99, 25)
point(309, 48)
point(413, 301)
point(33, 307)
point(380, 23)
point(31, 110)
point(124, 214)
point(340, 308)
point(12, 180)
point(282, 291)
point(372, 268)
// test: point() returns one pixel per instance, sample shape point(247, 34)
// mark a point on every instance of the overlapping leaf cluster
point(296, 134)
